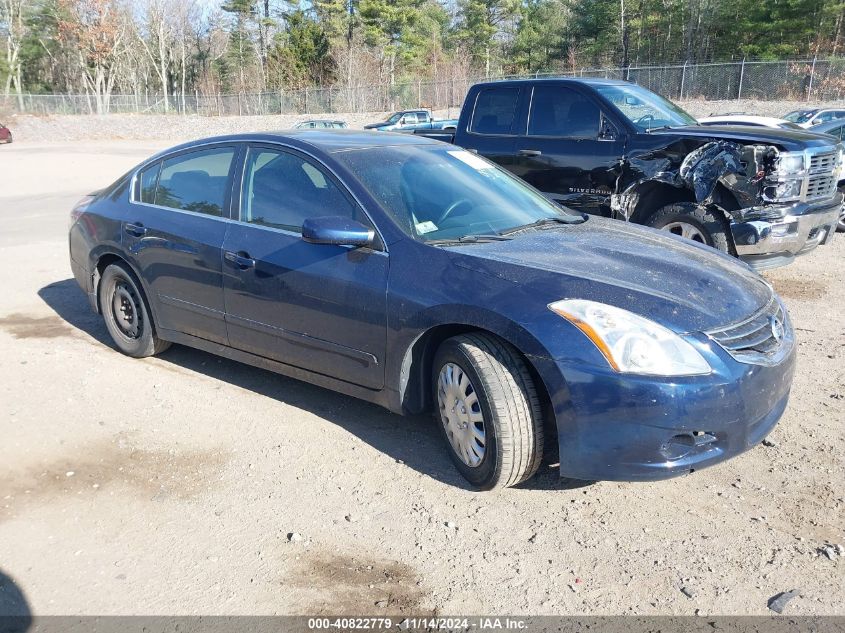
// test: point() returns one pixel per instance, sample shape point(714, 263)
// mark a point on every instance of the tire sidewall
point(712, 227)
point(486, 473)
point(139, 347)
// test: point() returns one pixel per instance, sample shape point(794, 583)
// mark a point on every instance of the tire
point(840, 225)
point(127, 314)
point(500, 390)
point(695, 222)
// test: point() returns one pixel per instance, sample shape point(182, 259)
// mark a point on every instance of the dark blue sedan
point(419, 276)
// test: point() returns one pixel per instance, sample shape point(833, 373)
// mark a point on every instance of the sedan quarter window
point(148, 182)
point(282, 190)
point(196, 181)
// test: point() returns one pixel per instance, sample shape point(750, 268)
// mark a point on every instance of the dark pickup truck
point(616, 149)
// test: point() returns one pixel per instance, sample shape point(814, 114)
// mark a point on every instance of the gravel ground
point(176, 128)
point(174, 485)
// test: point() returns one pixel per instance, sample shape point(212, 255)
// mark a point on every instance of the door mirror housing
point(337, 230)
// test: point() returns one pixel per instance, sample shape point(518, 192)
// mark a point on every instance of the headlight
point(630, 343)
point(790, 163)
point(785, 191)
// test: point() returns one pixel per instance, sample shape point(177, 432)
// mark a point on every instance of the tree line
point(176, 48)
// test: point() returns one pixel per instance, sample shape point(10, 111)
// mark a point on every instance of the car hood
point(789, 140)
point(680, 284)
point(374, 126)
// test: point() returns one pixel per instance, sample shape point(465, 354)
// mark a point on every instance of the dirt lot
point(170, 485)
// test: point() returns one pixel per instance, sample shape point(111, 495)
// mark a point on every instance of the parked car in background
point(813, 116)
point(5, 134)
point(618, 150)
point(749, 120)
point(411, 120)
point(835, 129)
point(320, 124)
point(420, 276)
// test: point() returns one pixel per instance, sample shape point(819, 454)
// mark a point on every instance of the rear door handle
point(530, 152)
point(241, 260)
point(136, 230)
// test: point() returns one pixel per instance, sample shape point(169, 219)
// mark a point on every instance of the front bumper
point(780, 233)
point(621, 427)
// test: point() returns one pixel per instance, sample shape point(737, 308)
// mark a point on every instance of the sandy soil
point(171, 485)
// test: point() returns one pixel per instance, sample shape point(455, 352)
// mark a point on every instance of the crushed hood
point(788, 140)
point(684, 286)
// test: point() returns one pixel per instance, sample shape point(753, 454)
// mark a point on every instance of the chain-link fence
point(810, 80)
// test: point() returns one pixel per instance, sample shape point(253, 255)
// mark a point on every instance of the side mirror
point(337, 230)
point(402, 121)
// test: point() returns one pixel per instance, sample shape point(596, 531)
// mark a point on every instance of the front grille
point(822, 163)
point(762, 339)
point(821, 186)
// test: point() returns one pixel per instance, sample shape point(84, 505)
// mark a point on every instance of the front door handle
point(530, 152)
point(241, 260)
point(136, 230)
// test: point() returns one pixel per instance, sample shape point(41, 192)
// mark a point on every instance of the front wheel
point(488, 410)
point(840, 226)
point(126, 313)
point(693, 222)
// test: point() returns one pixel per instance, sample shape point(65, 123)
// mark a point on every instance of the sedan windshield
point(645, 109)
point(442, 193)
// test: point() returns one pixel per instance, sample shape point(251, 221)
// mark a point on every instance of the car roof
point(328, 140)
point(594, 81)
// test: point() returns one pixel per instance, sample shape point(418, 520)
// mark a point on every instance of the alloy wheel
point(684, 229)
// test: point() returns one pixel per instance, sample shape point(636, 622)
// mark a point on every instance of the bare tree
point(97, 31)
point(11, 15)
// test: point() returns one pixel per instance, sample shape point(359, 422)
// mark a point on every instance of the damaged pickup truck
point(615, 149)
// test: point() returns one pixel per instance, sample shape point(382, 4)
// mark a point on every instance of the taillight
point(79, 208)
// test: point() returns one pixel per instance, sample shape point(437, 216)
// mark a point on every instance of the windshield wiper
point(471, 239)
point(559, 219)
point(484, 237)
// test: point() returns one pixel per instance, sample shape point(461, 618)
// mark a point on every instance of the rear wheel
point(694, 222)
point(126, 313)
point(488, 410)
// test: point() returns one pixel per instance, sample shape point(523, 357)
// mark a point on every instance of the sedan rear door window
point(196, 181)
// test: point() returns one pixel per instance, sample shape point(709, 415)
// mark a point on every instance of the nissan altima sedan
point(422, 277)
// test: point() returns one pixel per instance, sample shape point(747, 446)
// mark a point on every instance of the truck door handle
point(136, 230)
point(530, 152)
point(241, 260)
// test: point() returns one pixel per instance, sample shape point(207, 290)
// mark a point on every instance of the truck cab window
point(559, 111)
point(495, 109)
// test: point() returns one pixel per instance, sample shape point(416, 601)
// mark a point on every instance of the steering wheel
point(644, 118)
point(451, 208)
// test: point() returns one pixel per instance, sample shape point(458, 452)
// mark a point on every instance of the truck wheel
point(127, 315)
point(695, 223)
point(487, 408)
point(840, 226)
